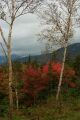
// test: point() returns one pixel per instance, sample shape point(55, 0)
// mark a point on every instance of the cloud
point(28, 50)
point(24, 37)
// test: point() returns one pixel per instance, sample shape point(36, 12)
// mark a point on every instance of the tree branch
point(3, 50)
point(2, 35)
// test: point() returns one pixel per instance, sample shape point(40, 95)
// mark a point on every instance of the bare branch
point(2, 35)
point(4, 51)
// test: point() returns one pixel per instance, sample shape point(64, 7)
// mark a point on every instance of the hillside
point(72, 52)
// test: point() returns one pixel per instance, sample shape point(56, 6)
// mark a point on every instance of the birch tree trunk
point(17, 101)
point(10, 75)
point(62, 71)
point(16, 92)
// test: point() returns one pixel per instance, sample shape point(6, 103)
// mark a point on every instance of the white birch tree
point(59, 18)
point(10, 10)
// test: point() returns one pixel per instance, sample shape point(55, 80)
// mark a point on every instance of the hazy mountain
point(3, 59)
point(72, 51)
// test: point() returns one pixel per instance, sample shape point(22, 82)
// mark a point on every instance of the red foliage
point(45, 68)
point(56, 68)
point(31, 72)
point(72, 84)
point(69, 72)
point(36, 79)
point(3, 82)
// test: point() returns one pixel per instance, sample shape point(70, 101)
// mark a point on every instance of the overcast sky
point(25, 38)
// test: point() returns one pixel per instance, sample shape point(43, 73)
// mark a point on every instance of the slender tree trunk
point(10, 76)
point(16, 92)
point(17, 101)
point(62, 71)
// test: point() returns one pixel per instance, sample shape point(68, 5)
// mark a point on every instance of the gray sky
point(25, 39)
point(25, 35)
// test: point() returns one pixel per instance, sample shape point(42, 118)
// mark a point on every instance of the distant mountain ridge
point(3, 59)
point(73, 51)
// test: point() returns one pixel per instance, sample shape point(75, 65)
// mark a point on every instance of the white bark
point(62, 72)
point(10, 74)
point(17, 101)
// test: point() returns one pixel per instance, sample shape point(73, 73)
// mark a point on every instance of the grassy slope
point(49, 111)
